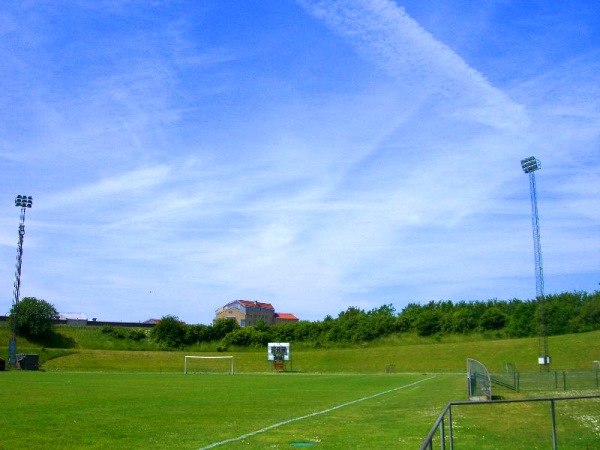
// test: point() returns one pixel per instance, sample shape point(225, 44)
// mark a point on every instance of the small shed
point(73, 319)
point(28, 362)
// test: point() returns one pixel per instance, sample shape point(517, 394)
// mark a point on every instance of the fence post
point(565, 380)
point(450, 428)
point(443, 435)
point(554, 443)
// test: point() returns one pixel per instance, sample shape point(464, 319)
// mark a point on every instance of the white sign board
point(278, 351)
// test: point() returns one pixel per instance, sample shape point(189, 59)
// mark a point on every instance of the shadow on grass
point(54, 340)
point(50, 354)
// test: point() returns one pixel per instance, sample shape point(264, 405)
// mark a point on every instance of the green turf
point(56, 410)
point(67, 410)
point(141, 399)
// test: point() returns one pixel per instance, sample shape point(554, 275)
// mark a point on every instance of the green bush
point(137, 334)
point(117, 333)
point(169, 333)
point(35, 318)
point(247, 337)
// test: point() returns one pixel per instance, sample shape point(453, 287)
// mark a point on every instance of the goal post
point(188, 359)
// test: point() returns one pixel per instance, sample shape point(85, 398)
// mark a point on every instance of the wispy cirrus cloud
point(386, 35)
point(120, 188)
point(182, 156)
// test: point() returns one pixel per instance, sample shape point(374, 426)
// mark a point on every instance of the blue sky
point(314, 154)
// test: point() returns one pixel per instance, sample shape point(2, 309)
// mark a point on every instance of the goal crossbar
point(231, 358)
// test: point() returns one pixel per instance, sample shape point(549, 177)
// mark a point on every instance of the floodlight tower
point(24, 202)
point(530, 165)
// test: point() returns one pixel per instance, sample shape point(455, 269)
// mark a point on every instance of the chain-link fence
point(546, 381)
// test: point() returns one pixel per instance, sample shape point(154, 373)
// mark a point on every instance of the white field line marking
point(296, 419)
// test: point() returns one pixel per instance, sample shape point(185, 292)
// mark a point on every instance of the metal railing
point(439, 427)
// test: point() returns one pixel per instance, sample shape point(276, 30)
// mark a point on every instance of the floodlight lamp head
point(530, 164)
point(24, 201)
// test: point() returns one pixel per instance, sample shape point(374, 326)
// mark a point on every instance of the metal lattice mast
point(23, 202)
point(530, 165)
point(537, 247)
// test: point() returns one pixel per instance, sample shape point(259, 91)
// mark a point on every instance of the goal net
point(209, 364)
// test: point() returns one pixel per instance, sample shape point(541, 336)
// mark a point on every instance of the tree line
point(570, 312)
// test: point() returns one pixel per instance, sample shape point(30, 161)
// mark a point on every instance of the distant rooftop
point(71, 316)
point(285, 316)
point(255, 304)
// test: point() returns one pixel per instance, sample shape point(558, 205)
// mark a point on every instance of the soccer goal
point(208, 364)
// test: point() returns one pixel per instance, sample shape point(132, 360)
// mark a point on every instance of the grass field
point(68, 410)
point(54, 410)
point(336, 398)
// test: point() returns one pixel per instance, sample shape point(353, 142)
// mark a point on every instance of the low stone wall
point(91, 323)
point(99, 323)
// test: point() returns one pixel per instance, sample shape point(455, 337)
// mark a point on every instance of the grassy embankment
point(92, 350)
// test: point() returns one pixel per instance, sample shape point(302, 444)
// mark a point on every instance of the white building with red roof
point(249, 312)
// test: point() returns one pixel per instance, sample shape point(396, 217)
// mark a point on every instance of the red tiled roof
point(254, 304)
point(285, 316)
